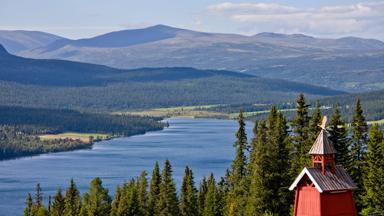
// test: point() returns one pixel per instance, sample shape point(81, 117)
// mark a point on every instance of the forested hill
point(20, 129)
point(74, 85)
point(372, 102)
point(69, 74)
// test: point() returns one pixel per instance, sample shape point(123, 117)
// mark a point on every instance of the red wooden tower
point(325, 189)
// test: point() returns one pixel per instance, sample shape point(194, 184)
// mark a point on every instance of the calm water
point(203, 144)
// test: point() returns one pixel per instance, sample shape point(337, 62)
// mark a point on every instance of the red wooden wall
point(340, 204)
point(308, 201)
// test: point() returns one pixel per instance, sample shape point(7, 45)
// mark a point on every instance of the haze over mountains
point(351, 64)
point(17, 41)
point(73, 85)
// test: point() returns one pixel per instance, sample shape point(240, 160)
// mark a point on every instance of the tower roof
point(322, 145)
point(328, 182)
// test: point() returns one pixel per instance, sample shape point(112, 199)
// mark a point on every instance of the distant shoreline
point(80, 146)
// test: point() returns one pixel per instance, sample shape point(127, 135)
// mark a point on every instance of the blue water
point(206, 145)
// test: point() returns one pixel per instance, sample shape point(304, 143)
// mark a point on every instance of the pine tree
point(38, 207)
point(239, 164)
point(58, 204)
point(188, 197)
point(203, 188)
point(29, 204)
point(96, 200)
point(237, 179)
point(338, 135)
point(38, 196)
point(255, 200)
point(314, 124)
point(222, 191)
point(72, 200)
point(281, 178)
point(154, 191)
point(116, 202)
point(359, 142)
point(373, 200)
point(270, 179)
point(168, 203)
point(211, 199)
point(300, 140)
point(142, 185)
point(129, 203)
point(122, 208)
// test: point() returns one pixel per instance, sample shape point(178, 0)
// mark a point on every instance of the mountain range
point(83, 86)
point(349, 64)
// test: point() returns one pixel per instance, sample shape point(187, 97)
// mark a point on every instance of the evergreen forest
point(20, 129)
point(255, 184)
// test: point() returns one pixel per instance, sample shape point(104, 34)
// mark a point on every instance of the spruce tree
point(168, 203)
point(188, 197)
point(116, 202)
point(142, 185)
point(282, 162)
point(256, 200)
point(72, 200)
point(57, 208)
point(38, 196)
point(270, 179)
point(338, 135)
point(211, 199)
point(28, 205)
point(154, 191)
point(38, 207)
point(203, 188)
point(300, 140)
point(239, 164)
point(122, 207)
point(373, 200)
point(96, 200)
point(359, 143)
point(129, 204)
point(237, 180)
point(133, 199)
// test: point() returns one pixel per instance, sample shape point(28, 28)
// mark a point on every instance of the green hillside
point(73, 85)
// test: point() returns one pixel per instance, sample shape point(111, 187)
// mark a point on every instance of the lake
point(206, 145)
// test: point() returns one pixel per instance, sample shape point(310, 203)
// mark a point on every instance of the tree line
point(257, 181)
point(14, 142)
point(20, 127)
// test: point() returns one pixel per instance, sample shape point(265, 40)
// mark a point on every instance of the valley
point(348, 64)
point(112, 105)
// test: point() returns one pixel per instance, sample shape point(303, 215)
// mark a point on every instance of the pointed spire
point(322, 144)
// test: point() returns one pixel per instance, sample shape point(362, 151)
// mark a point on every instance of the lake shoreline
point(80, 146)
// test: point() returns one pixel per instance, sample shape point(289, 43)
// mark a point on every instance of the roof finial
point(324, 122)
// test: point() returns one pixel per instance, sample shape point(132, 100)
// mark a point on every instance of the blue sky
point(87, 18)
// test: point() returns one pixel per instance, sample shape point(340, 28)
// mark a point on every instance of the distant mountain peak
point(271, 34)
point(162, 26)
point(281, 35)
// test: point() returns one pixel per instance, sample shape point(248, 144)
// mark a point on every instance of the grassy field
point(249, 114)
point(181, 111)
point(380, 122)
point(84, 137)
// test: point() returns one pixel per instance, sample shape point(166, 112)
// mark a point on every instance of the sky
point(87, 18)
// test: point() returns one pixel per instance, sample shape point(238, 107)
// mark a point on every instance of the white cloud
point(362, 19)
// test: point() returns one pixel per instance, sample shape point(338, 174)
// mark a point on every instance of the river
point(206, 145)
